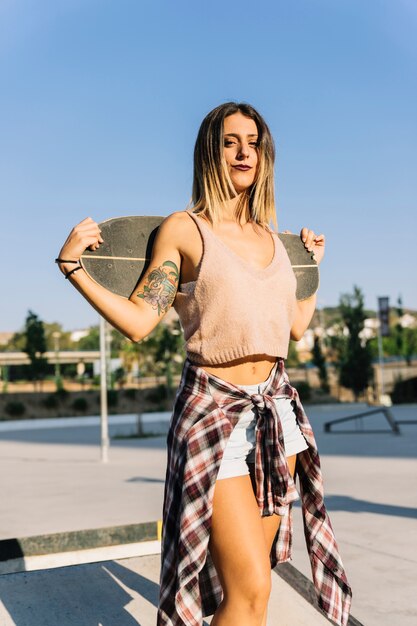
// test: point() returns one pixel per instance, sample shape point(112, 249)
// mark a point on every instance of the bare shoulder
point(178, 235)
point(177, 221)
point(177, 228)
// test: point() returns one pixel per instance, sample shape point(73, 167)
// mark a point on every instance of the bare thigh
point(240, 539)
point(240, 545)
point(237, 541)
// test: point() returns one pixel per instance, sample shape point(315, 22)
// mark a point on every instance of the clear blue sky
point(101, 101)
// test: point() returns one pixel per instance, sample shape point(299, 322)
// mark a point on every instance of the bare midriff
point(247, 371)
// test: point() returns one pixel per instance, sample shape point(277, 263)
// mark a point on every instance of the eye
point(229, 142)
point(254, 144)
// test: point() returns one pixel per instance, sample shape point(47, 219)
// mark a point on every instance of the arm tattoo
point(161, 287)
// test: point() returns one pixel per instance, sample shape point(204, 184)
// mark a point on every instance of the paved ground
point(51, 480)
point(116, 593)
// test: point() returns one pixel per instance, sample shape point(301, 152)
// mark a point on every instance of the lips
point(242, 168)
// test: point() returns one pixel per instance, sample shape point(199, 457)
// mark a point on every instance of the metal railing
point(394, 428)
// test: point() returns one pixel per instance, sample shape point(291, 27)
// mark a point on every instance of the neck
point(233, 211)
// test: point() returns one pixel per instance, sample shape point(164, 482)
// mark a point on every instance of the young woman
point(238, 431)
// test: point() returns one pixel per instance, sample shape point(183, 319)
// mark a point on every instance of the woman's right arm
point(137, 316)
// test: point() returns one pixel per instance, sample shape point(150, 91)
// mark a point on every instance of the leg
point(238, 549)
point(271, 524)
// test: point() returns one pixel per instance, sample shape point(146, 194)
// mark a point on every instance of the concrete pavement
point(51, 480)
point(116, 593)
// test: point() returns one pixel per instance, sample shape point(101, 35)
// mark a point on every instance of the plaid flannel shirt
point(200, 427)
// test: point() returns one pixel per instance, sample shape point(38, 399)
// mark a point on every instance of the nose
point(243, 152)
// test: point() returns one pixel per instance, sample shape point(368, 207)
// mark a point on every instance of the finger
point(86, 220)
point(87, 230)
point(91, 244)
point(309, 242)
point(310, 235)
point(320, 239)
point(85, 225)
point(85, 237)
point(303, 234)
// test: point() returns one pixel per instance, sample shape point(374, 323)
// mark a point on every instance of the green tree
point(117, 342)
point(35, 346)
point(160, 353)
point(90, 341)
point(139, 356)
point(17, 342)
point(355, 359)
point(410, 344)
point(169, 350)
point(402, 341)
point(64, 340)
point(292, 359)
point(320, 362)
point(406, 338)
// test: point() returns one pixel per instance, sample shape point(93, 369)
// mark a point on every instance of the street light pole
point(381, 365)
point(57, 335)
point(103, 394)
point(383, 331)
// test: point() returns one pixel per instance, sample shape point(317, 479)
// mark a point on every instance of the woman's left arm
point(305, 308)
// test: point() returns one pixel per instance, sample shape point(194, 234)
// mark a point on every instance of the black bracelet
point(73, 271)
point(58, 260)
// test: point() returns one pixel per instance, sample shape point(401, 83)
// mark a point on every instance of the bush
point(304, 390)
point(15, 408)
point(95, 381)
point(80, 405)
point(112, 397)
point(61, 394)
point(130, 394)
point(50, 402)
point(119, 375)
point(156, 394)
point(404, 391)
point(54, 399)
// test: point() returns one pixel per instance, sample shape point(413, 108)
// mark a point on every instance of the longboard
point(119, 263)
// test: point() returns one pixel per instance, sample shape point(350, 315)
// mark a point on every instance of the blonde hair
point(212, 186)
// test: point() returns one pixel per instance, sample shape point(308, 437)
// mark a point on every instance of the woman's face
point(241, 150)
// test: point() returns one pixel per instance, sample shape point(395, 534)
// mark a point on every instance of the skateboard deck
point(119, 263)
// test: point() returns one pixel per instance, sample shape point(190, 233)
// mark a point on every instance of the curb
point(79, 540)
point(79, 547)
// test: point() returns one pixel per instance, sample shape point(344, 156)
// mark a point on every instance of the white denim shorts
point(240, 448)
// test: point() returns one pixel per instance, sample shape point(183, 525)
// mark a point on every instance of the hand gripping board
point(121, 260)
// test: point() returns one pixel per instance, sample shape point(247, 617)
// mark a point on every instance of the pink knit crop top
point(234, 309)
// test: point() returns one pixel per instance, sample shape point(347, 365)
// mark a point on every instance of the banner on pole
point(383, 313)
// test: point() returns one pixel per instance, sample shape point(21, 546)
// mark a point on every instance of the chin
point(242, 187)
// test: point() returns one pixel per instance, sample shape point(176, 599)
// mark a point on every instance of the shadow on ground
point(102, 594)
point(85, 595)
point(145, 479)
point(353, 505)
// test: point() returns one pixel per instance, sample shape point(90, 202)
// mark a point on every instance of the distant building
point(408, 321)
point(371, 328)
point(5, 338)
point(76, 335)
point(305, 345)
